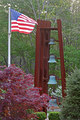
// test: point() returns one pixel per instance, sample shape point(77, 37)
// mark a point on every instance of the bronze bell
point(52, 80)
point(51, 42)
point(52, 59)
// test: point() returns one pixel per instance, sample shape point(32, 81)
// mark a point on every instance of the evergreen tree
point(71, 104)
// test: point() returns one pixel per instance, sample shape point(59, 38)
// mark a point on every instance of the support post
point(61, 57)
point(9, 38)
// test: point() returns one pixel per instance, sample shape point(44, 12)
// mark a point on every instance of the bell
point(53, 102)
point(51, 42)
point(52, 59)
point(52, 80)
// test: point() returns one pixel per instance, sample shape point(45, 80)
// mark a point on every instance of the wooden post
point(41, 49)
point(37, 56)
point(46, 65)
point(61, 57)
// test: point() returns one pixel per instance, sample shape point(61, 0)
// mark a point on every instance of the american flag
point(21, 23)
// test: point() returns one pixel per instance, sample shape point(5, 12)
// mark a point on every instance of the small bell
point(52, 80)
point(53, 103)
point(51, 42)
point(52, 59)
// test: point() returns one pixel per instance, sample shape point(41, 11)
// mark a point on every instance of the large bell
point(52, 80)
point(51, 42)
point(52, 59)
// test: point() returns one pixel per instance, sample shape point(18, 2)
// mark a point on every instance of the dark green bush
point(71, 103)
point(54, 116)
point(41, 115)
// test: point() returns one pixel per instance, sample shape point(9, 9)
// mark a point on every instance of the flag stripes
point(22, 23)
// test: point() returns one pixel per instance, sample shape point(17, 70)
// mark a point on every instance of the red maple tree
point(18, 96)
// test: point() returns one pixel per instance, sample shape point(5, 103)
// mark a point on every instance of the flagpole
point(9, 37)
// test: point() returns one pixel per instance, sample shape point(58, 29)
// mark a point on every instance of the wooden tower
point(42, 55)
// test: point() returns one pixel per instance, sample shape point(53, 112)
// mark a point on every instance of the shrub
point(71, 109)
point(71, 57)
point(18, 97)
point(54, 116)
point(41, 115)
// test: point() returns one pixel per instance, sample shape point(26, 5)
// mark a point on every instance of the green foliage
point(71, 109)
point(30, 111)
point(2, 91)
point(72, 58)
point(54, 116)
point(41, 115)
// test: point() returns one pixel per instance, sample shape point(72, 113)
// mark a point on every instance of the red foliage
point(21, 95)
